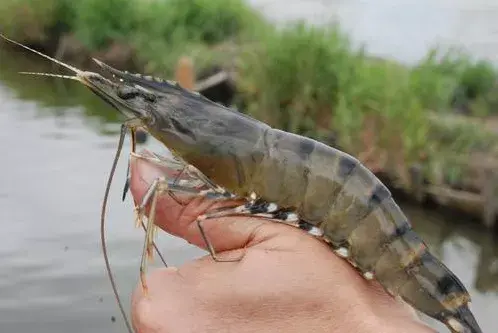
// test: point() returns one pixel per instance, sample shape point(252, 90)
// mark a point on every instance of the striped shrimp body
point(291, 179)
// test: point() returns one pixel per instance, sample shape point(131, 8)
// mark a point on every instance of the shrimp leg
point(257, 208)
point(128, 176)
point(159, 186)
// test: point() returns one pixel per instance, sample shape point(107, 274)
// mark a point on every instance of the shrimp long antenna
point(51, 75)
point(102, 226)
point(74, 69)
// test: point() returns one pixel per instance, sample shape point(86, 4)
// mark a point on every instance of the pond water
point(58, 142)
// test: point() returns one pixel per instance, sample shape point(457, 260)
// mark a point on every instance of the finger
point(179, 218)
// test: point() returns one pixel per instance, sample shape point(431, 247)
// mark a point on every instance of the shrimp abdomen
point(319, 182)
point(334, 191)
point(386, 246)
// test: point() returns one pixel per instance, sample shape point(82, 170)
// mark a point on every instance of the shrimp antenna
point(102, 226)
point(71, 68)
point(52, 75)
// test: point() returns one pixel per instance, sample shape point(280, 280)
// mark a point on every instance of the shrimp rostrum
point(296, 180)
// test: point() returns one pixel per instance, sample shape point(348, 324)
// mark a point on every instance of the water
point(56, 157)
point(57, 142)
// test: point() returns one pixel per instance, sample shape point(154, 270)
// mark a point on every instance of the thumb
point(177, 214)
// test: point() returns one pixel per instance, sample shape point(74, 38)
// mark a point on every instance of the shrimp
point(295, 180)
point(306, 183)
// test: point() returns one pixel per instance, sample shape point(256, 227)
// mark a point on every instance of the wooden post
point(185, 73)
point(417, 182)
point(489, 194)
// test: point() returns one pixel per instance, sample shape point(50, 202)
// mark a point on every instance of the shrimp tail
point(463, 321)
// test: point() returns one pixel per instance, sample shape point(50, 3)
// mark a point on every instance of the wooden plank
point(212, 81)
point(466, 201)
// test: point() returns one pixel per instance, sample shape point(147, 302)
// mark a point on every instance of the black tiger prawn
point(291, 179)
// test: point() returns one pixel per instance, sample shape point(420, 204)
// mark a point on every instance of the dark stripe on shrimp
point(306, 147)
point(379, 194)
point(346, 166)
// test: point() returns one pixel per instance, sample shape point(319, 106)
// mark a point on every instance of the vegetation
point(28, 20)
point(299, 78)
point(159, 30)
point(310, 80)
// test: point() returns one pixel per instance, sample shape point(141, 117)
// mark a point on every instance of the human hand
point(286, 281)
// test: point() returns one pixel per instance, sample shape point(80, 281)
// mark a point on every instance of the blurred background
point(409, 87)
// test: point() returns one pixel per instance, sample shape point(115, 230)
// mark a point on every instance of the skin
point(287, 281)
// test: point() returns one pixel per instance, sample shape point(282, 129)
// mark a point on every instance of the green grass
point(171, 28)
point(159, 30)
point(296, 76)
point(454, 80)
point(310, 80)
point(96, 23)
point(28, 20)
point(206, 21)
